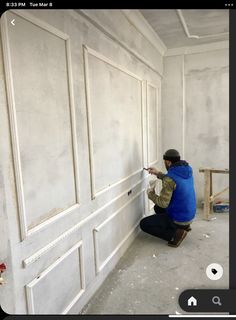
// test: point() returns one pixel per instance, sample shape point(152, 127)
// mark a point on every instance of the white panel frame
point(25, 231)
point(87, 51)
point(98, 266)
point(149, 84)
point(29, 287)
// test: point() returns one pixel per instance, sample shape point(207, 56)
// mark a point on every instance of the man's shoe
point(179, 236)
point(188, 229)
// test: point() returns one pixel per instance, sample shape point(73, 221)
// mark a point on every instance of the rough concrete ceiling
point(209, 25)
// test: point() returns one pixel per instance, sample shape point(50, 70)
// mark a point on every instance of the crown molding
point(141, 24)
point(110, 33)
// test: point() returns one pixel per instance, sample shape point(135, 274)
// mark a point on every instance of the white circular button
point(214, 271)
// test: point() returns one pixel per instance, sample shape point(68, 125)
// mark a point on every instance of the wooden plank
point(211, 192)
point(214, 170)
point(212, 197)
point(207, 194)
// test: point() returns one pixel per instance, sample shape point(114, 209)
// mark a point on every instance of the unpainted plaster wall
point(195, 110)
point(77, 102)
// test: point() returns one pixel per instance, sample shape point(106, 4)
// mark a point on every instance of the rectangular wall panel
point(42, 120)
point(110, 235)
point(60, 286)
point(114, 101)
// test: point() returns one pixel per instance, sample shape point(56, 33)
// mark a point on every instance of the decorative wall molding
point(97, 229)
point(96, 194)
point(51, 220)
point(198, 48)
point(41, 252)
point(150, 164)
point(98, 267)
point(140, 23)
point(148, 84)
point(25, 231)
point(40, 23)
point(113, 37)
point(87, 51)
point(186, 29)
point(101, 57)
point(29, 287)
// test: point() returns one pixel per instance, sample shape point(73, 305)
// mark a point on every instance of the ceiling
point(181, 28)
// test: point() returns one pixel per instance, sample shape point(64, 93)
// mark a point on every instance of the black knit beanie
point(171, 155)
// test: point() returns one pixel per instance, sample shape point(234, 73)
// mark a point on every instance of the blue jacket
point(182, 206)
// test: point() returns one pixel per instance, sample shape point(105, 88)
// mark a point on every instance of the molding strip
point(73, 119)
point(40, 23)
point(221, 45)
point(149, 84)
point(136, 18)
point(13, 127)
point(52, 219)
point(101, 57)
point(121, 43)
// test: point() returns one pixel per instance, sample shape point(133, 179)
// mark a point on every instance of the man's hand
point(152, 186)
point(152, 170)
point(150, 190)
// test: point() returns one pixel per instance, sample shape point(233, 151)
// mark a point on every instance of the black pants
point(159, 224)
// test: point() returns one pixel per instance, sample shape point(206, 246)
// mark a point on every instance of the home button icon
point(192, 302)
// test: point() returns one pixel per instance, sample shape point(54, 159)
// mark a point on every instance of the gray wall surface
point(85, 105)
point(195, 110)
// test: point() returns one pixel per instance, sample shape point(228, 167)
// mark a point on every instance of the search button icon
point(216, 300)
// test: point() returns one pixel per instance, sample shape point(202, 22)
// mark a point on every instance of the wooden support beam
point(207, 194)
point(211, 192)
point(214, 170)
point(212, 197)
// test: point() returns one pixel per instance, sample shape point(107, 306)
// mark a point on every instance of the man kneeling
point(175, 207)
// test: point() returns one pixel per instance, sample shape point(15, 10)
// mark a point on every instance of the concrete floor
point(150, 276)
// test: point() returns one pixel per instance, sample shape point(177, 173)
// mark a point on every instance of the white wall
point(195, 110)
point(78, 97)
